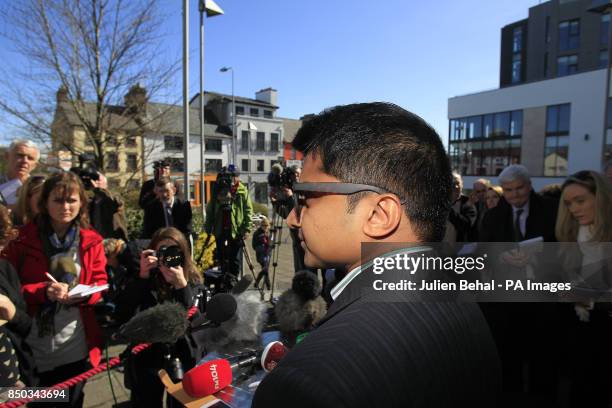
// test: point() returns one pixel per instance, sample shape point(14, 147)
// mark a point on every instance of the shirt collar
point(340, 286)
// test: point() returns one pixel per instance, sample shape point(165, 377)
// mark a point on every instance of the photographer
point(161, 168)
point(228, 218)
point(281, 194)
point(167, 274)
point(106, 211)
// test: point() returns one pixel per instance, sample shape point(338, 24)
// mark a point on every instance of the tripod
point(276, 233)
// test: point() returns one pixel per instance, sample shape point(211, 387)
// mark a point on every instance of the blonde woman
point(27, 202)
point(584, 227)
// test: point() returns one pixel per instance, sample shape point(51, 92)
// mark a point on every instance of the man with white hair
point(524, 332)
point(22, 158)
point(522, 214)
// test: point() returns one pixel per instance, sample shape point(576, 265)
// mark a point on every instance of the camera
point(282, 178)
point(86, 170)
point(170, 256)
point(224, 183)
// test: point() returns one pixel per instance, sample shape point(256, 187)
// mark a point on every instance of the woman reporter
point(584, 229)
point(59, 243)
point(493, 195)
point(171, 279)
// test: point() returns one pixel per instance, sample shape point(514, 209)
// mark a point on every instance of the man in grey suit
point(377, 174)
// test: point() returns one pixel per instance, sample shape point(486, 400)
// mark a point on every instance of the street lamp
point(211, 9)
point(234, 137)
point(605, 7)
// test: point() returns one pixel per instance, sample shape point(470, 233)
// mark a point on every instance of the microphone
point(163, 323)
point(214, 375)
point(220, 308)
point(207, 378)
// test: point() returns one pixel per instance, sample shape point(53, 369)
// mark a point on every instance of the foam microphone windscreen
point(242, 285)
point(207, 378)
point(163, 323)
point(221, 307)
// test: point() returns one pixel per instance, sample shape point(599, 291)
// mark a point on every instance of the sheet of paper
point(86, 290)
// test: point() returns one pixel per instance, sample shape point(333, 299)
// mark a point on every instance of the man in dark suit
point(167, 211)
point(147, 196)
point(525, 333)
point(377, 174)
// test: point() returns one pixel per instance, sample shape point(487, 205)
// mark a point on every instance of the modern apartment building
point(548, 113)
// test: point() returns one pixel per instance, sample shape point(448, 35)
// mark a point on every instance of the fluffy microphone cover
point(301, 307)
point(241, 331)
point(164, 323)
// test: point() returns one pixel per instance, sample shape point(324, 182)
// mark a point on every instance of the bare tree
point(85, 54)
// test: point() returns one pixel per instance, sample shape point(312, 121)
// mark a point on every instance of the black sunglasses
point(299, 198)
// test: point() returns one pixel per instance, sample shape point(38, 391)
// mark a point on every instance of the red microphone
point(272, 354)
point(207, 378)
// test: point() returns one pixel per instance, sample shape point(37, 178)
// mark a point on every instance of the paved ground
point(98, 390)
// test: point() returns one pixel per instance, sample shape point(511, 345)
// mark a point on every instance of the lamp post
point(211, 9)
point(605, 7)
point(234, 136)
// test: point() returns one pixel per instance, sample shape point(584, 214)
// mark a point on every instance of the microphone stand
point(249, 262)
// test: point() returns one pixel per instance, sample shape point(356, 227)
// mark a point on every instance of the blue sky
point(321, 53)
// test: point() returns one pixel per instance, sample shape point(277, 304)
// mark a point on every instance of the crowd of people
point(64, 229)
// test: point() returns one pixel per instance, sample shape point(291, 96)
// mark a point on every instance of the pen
point(51, 277)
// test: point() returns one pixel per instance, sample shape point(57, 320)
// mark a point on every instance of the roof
point(238, 99)
point(159, 118)
point(291, 127)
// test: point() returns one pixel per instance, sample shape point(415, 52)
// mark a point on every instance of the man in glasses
point(375, 173)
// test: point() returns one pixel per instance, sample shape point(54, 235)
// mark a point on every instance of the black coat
point(147, 194)
point(154, 218)
point(498, 223)
point(19, 327)
point(367, 352)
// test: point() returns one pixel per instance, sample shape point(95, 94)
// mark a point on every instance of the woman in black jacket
point(159, 281)
point(15, 323)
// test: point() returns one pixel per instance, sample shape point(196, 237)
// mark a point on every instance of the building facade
point(553, 124)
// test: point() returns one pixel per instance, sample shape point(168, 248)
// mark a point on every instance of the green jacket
point(242, 210)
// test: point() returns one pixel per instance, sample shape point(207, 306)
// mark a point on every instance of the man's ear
point(384, 217)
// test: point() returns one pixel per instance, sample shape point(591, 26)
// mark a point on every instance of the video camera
point(224, 183)
point(86, 170)
point(283, 179)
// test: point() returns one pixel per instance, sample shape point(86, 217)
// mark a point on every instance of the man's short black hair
point(386, 146)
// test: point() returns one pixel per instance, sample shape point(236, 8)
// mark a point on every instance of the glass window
point(567, 65)
point(244, 140)
point(603, 59)
point(274, 142)
point(111, 140)
point(501, 124)
point(556, 146)
point(213, 165)
point(517, 39)
point(488, 125)
point(474, 127)
point(569, 35)
point(267, 113)
point(261, 141)
point(254, 112)
point(516, 68)
point(132, 162)
point(260, 165)
point(213, 145)
point(133, 184)
point(130, 141)
point(176, 164)
point(245, 165)
point(173, 143)
point(516, 123)
point(603, 29)
point(239, 110)
point(112, 162)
